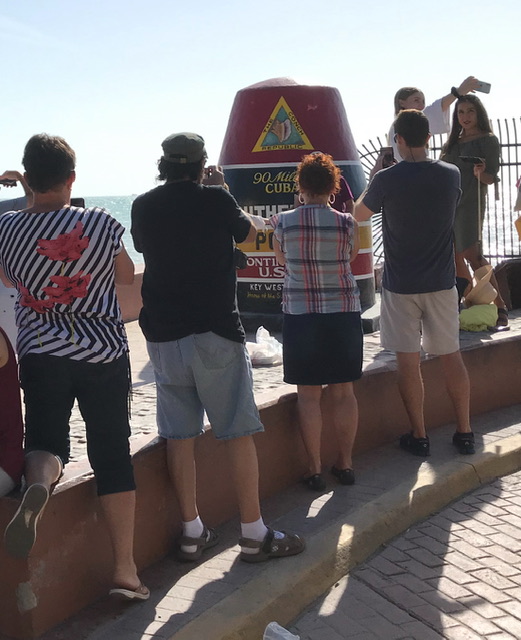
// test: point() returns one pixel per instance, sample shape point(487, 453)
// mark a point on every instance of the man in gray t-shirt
point(418, 199)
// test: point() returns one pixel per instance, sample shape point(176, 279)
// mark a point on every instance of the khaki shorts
point(410, 321)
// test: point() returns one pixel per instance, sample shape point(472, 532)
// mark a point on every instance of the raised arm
point(123, 268)
point(362, 211)
point(16, 176)
point(257, 224)
point(467, 86)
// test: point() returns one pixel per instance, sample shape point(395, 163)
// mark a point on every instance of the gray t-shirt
point(418, 202)
point(14, 204)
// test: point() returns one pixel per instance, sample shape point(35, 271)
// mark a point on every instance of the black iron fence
point(500, 238)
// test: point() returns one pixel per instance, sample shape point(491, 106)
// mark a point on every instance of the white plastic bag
point(275, 632)
point(266, 351)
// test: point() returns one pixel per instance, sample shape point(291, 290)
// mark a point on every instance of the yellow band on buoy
point(366, 235)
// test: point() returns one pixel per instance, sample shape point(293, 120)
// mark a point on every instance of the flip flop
point(141, 593)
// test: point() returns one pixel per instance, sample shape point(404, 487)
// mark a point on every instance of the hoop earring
point(300, 198)
point(331, 198)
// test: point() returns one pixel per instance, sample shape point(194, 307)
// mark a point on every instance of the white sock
point(192, 529)
point(256, 531)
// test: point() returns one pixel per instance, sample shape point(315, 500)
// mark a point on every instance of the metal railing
point(500, 239)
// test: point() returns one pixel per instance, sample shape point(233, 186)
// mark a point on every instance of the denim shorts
point(203, 372)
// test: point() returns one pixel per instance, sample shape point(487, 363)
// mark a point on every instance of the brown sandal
point(208, 539)
point(272, 547)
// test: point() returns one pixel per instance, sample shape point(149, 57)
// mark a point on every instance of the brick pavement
point(456, 570)
point(456, 575)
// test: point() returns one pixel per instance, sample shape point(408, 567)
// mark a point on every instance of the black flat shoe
point(464, 443)
point(315, 482)
point(344, 476)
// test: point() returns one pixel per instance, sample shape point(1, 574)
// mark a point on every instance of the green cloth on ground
point(478, 318)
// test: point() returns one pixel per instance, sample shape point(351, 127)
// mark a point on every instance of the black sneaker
point(416, 446)
point(464, 442)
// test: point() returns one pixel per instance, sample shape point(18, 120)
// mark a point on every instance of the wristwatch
point(455, 92)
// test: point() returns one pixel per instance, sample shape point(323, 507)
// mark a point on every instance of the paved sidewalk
point(456, 575)
point(464, 576)
point(406, 591)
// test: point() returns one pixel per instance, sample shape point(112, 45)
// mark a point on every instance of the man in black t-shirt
point(187, 232)
point(418, 199)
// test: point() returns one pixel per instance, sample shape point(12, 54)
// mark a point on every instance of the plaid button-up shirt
point(317, 242)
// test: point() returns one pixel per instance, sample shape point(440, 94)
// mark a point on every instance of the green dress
point(467, 226)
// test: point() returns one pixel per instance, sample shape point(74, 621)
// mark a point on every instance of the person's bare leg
point(458, 388)
point(245, 472)
point(477, 260)
point(181, 467)
point(119, 511)
point(410, 384)
point(42, 467)
point(344, 414)
point(7, 484)
point(463, 271)
point(310, 420)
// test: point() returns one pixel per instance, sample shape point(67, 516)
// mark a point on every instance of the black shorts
point(322, 348)
point(51, 384)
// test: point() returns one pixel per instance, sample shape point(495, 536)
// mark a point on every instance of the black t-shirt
point(418, 202)
point(186, 233)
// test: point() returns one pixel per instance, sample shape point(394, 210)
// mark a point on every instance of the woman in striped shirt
point(322, 333)
point(65, 261)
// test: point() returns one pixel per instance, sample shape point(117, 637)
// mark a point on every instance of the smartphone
point(78, 202)
point(484, 87)
point(387, 155)
point(472, 159)
point(8, 183)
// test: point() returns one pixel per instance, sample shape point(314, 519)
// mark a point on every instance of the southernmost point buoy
point(272, 125)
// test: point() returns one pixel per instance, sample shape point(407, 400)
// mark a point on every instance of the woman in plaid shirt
point(322, 333)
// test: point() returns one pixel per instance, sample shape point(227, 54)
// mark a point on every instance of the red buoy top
point(279, 121)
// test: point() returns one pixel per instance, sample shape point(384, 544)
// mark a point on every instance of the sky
point(115, 78)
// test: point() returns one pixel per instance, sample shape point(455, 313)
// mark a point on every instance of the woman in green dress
point(471, 137)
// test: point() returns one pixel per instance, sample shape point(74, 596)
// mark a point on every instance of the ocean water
point(500, 239)
point(119, 208)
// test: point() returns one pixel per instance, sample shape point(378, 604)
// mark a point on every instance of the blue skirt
point(322, 348)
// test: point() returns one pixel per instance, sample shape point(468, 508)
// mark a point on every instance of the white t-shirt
point(439, 122)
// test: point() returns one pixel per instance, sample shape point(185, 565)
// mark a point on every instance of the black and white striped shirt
point(62, 264)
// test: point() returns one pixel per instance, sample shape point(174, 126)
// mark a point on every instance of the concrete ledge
point(283, 594)
point(71, 563)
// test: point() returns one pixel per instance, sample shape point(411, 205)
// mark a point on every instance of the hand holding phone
point(387, 155)
point(484, 87)
point(213, 175)
point(7, 183)
point(472, 159)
